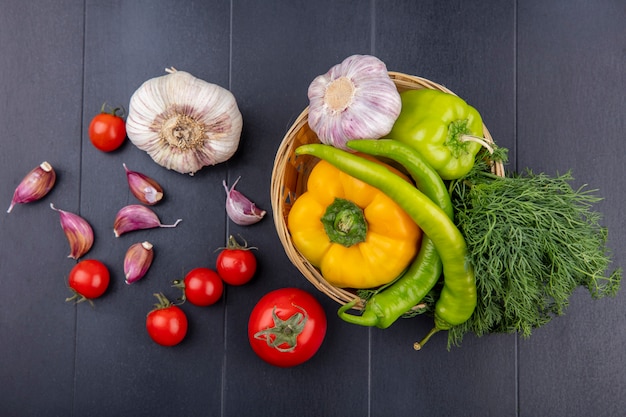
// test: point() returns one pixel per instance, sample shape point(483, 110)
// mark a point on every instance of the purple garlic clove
point(35, 185)
point(136, 217)
point(137, 261)
point(239, 208)
point(78, 232)
point(144, 188)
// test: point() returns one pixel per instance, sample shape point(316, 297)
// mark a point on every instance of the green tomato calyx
point(283, 336)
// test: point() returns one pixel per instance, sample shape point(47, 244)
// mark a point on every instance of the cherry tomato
point(167, 323)
point(236, 264)
point(88, 279)
point(287, 327)
point(202, 287)
point(107, 131)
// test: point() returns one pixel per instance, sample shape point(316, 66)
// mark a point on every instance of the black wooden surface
point(548, 77)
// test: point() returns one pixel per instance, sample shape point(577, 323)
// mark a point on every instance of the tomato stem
point(232, 243)
point(162, 303)
point(284, 332)
point(180, 284)
point(113, 110)
point(78, 298)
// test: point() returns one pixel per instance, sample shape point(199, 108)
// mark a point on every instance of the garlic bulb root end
point(355, 99)
point(184, 123)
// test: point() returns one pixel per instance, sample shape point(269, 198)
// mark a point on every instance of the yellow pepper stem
point(344, 223)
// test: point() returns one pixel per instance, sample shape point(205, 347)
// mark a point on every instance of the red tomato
point(203, 287)
point(166, 324)
point(107, 131)
point(287, 327)
point(236, 264)
point(88, 279)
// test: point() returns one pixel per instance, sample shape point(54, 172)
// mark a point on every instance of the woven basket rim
point(282, 196)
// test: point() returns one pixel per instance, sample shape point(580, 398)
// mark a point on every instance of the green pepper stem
point(465, 137)
point(368, 318)
point(419, 345)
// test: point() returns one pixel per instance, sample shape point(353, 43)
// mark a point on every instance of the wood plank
point(128, 43)
point(571, 116)
point(300, 41)
point(40, 86)
point(475, 60)
point(547, 77)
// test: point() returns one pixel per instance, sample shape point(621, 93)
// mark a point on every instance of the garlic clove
point(184, 123)
point(78, 232)
point(355, 99)
point(144, 188)
point(35, 185)
point(136, 217)
point(137, 261)
point(239, 208)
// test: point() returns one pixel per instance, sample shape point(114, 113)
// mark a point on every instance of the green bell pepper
point(438, 125)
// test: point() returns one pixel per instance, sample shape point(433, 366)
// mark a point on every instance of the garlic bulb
point(183, 122)
point(354, 100)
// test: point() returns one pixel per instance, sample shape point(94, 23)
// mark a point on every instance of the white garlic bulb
point(183, 122)
point(354, 100)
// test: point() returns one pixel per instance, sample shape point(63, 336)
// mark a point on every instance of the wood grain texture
point(548, 78)
point(571, 79)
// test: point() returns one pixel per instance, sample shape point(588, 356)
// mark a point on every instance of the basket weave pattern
point(290, 174)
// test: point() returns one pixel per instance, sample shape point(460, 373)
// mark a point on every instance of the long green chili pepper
point(458, 295)
point(427, 180)
point(386, 306)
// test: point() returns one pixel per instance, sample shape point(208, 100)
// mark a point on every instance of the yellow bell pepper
point(352, 232)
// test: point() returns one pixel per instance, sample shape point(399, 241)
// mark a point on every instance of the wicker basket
point(290, 174)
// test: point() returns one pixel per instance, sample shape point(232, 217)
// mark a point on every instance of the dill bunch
point(532, 240)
